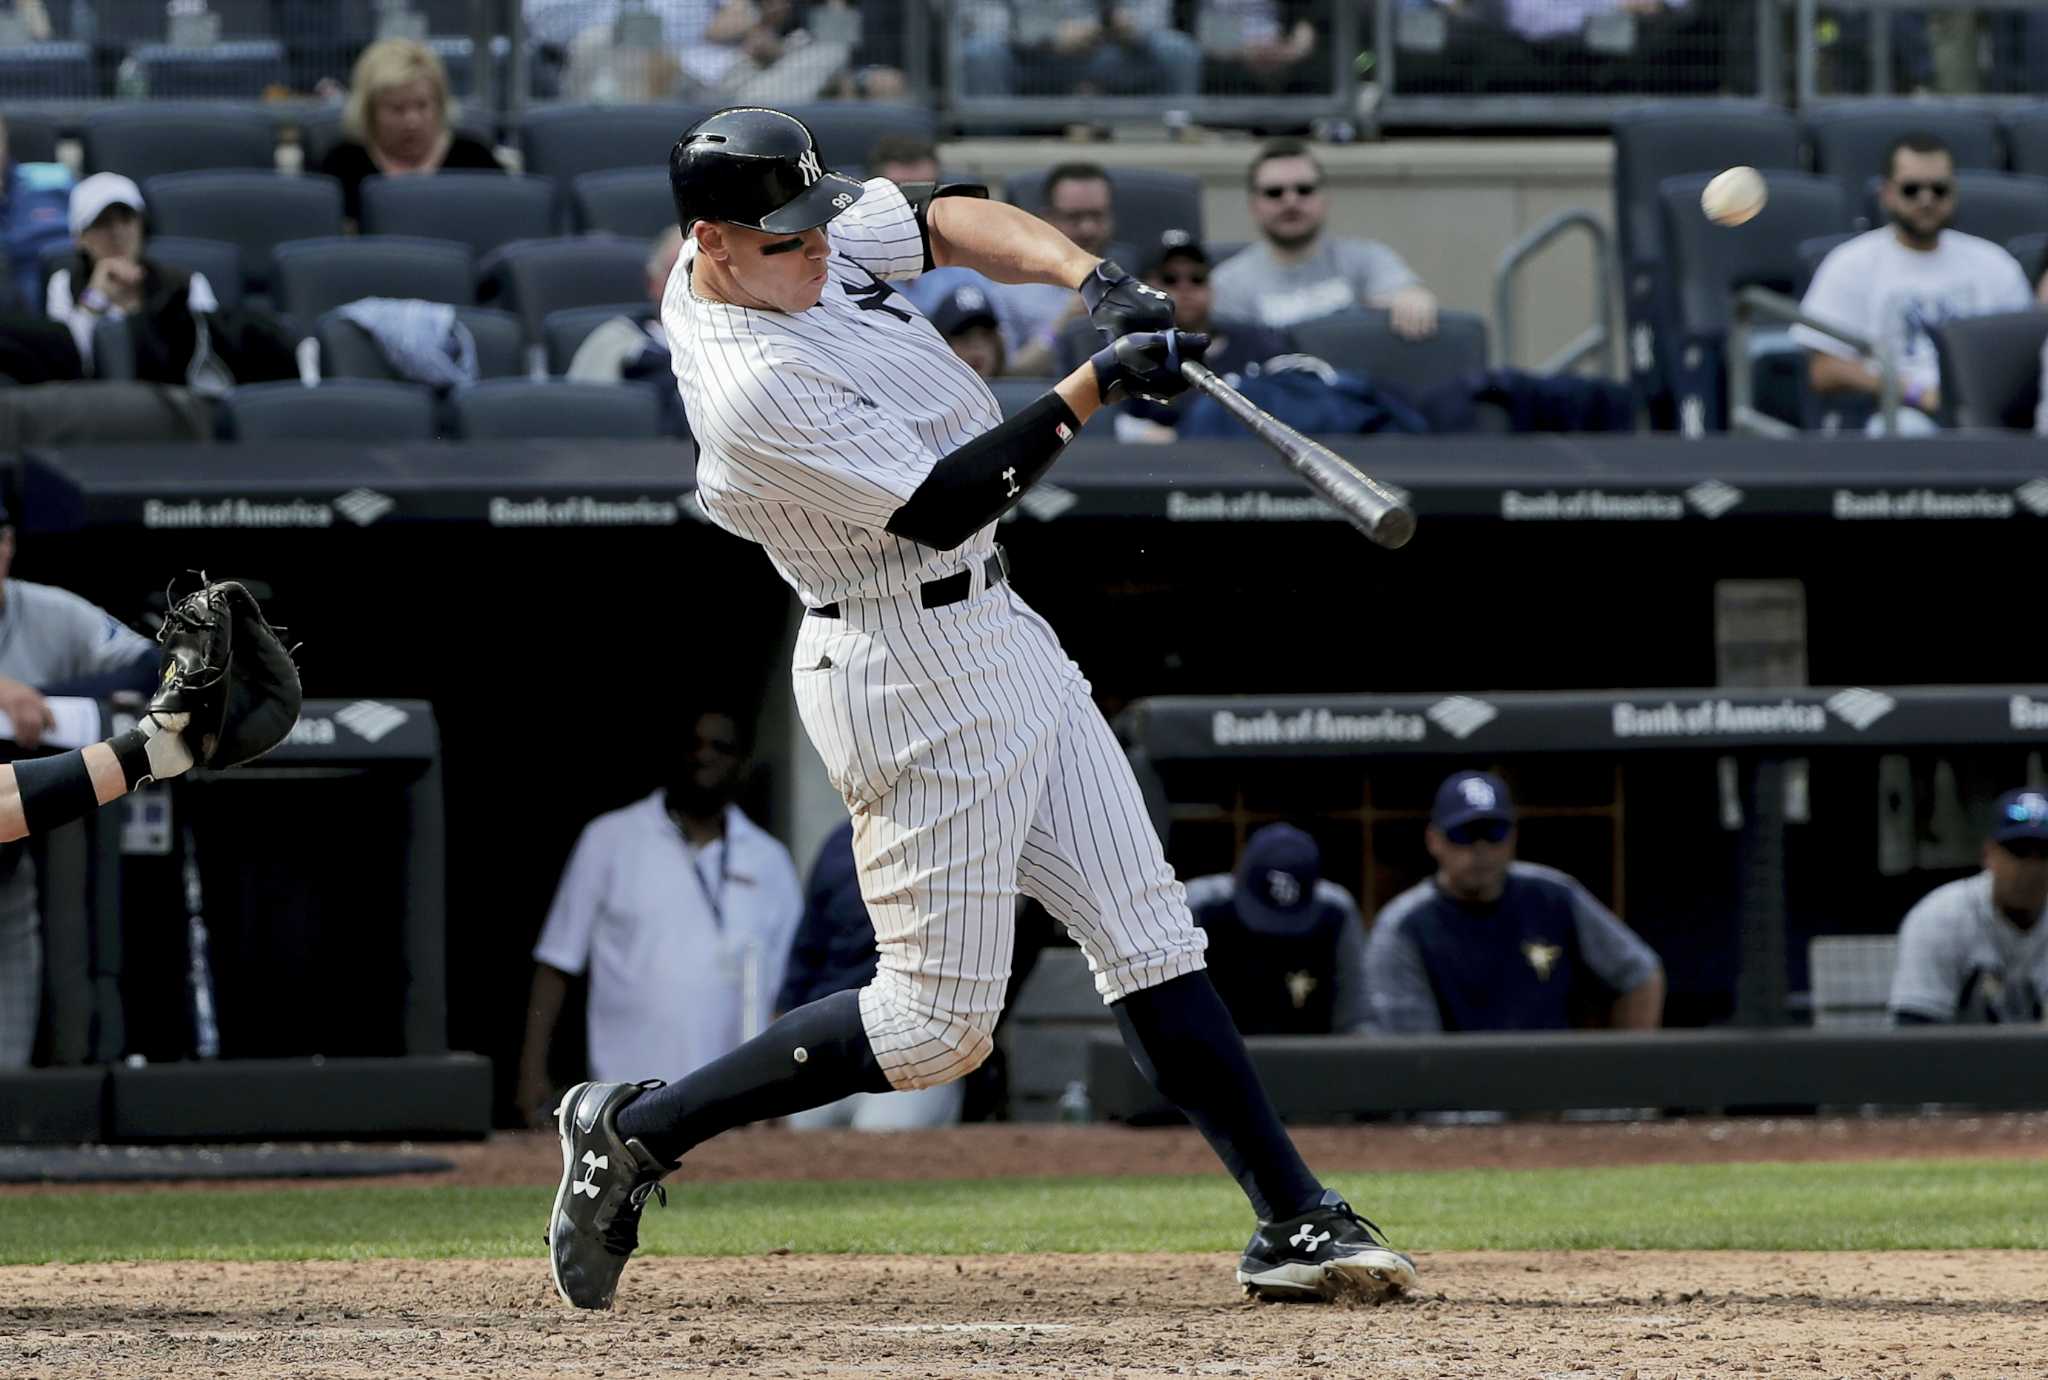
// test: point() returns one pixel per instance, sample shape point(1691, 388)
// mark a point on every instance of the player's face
point(2019, 875)
point(1079, 209)
point(1472, 859)
point(1287, 200)
point(1920, 195)
point(778, 272)
point(1187, 283)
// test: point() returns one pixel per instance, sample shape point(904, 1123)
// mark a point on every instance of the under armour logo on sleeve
point(1010, 478)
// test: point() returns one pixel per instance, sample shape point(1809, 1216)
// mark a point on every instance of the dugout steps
point(419, 1097)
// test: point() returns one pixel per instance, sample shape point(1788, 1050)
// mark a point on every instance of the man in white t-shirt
point(1296, 273)
point(1975, 950)
point(680, 911)
point(1891, 284)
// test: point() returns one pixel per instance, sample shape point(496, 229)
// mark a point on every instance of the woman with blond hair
point(397, 122)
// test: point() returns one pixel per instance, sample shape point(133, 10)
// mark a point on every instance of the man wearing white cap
point(106, 221)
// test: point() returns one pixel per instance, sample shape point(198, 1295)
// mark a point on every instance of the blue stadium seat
point(480, 209)
point(220, 261)
point(30, 138)
point(536, 277)
point(1991, 368)
point(565, 141)
point(515, 409)
point(1362, 341)
point(1147, 202)
point(1850, 141)
point(1013, 395)
point(150, 138)
point(847, 130)
point(2026, 139)
point(635, 202)
point(255, 211)
point(47, 72)
point(348, 352)
point(563, 332)
point(315, 276)
point(2032, 252)
point(241, 70)
point(363, 411)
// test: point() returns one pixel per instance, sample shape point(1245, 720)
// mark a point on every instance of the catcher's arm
point(39, 793)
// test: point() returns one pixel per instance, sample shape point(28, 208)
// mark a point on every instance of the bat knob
point(1395, 529)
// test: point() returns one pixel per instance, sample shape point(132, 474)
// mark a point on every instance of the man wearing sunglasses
point(1296, 273)
point(1490, 943)
point(1891, 284)
point(1975, 950)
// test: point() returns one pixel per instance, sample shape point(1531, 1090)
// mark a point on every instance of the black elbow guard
point(921, 195)
point(976, 484)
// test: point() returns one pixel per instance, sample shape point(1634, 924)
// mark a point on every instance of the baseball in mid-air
point(1735, 196)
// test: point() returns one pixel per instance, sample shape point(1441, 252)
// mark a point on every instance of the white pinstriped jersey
point(814, 427)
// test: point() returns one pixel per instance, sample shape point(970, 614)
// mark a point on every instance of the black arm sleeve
point(976, 484)
point(921, 195)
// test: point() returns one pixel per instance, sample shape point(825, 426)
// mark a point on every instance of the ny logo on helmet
point(807, 164)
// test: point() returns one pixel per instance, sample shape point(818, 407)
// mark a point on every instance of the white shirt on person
point(1339, 274)
point(1955, 944)
point(1562, 18)
point(1875, 287)
point(684, 946)
point(61, 304)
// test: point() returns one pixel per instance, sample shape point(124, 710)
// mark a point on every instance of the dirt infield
point(1594, 1316)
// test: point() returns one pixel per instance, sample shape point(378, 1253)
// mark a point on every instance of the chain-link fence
point(1960, 48)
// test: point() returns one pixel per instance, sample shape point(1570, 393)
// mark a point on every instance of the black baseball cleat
point(1328, 1252)
point(606, 1181)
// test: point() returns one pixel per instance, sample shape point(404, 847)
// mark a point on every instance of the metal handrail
point(1751, 302)
point(1597, 337)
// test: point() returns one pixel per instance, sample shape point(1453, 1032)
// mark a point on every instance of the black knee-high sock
point(1186, 1045)
point(814, 1055)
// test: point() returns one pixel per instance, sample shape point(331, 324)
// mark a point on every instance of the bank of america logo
point(1047, 501)
point(364, 506)
point(1860, 708)
point(2033, 496)
point(1710, 497)
point(371, 721)
point(1461, 716)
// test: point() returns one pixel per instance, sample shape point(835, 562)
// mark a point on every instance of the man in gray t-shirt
point(1296, 273)
point(1975, 950)
point(51, 642)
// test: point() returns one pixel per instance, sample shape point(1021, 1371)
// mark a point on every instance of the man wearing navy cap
point(1286, 948)
point(1975, 950)
point(1490, 943)
point(966, 316)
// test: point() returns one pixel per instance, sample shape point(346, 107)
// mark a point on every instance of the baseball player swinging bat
point(1368, 505)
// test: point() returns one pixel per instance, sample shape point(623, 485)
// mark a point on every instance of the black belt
point(936, 594)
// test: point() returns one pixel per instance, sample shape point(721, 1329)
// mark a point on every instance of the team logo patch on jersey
point(1542, 958)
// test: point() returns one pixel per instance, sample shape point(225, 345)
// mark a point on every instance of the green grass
point(1886, 1205)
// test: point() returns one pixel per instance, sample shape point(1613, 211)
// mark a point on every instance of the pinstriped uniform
point(962, 738)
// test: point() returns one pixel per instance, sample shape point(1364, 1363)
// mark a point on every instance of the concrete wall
point(1449, 206)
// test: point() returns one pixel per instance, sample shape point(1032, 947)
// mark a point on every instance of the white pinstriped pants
point(976, 765)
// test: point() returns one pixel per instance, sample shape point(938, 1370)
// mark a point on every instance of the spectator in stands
point(1286, 947)
point(161, 303)
point(1296, 273)
point(903, 158)
point(834, 951)
point(1075, 47)
point(51, 643)
point(738, 51)
point(1259, 45)
point(680, 910)
point(35, 200)
point(1975, 950)
point(398, 123)
point(1080, 203)
point(1890, 284)
point(967, 318)
point(1490, 943)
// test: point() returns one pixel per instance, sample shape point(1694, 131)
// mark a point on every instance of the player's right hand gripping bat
point(1369, 506)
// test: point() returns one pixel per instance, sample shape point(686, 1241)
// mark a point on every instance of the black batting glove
point(1120, 305)
point(1146, 366)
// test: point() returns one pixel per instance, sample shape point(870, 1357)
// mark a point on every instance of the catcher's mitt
point(226, 667)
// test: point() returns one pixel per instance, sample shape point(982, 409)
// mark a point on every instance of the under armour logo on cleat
point(1309, 1237)
point(592, 1162)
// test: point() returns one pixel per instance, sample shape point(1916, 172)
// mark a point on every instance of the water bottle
point(130, 82)
point(1074, 1104)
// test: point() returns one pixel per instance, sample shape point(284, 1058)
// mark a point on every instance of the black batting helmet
point(755, 167)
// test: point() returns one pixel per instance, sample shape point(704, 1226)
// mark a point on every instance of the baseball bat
point(1361, 499)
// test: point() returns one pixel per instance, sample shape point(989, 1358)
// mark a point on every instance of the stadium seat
point(255, 211)
point(1812, 252)
point(1993, 205)
point(1709, 262)
point(847, 130)
point(635, 202)
point(152, 138)
point(320, 131)
point(239, 70)
point(47, 72)
point(363, 411)
point(348, 352)
point(565, 141)
point(514, 409)
point(480, 209)
point(2032, 252)
point(1147, 202)
point(30, 138)
point(113, 350)
point(1850, 141)
point(2026, 140)
point(536, 277)
point(1013, 395)
point(1363, 342)
point(563, 332)
point(220, 261)
point(315, 276)
point(1991, 368)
